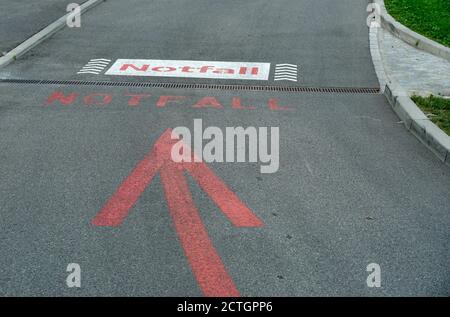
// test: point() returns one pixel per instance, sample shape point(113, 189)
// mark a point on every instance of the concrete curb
point(42, 35)
point(410, 114)
point(409, 36)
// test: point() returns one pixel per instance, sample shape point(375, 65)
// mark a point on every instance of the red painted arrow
point(203, 258)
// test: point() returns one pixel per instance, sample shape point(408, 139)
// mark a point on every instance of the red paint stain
point(236, 103)
point(98, 99)
point(273, 105)
point(208, 102)
point(63, 99)
point(164, 100)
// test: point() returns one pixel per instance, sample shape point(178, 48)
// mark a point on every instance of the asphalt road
point(353, 187)
point(20, 19)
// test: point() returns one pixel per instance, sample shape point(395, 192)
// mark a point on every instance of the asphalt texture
point(353, 188)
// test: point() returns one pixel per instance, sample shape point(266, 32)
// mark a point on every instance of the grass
point(430, 18)
point(437, 109)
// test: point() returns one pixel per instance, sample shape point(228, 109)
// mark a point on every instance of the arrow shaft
point(206, 264)
point(230, 204)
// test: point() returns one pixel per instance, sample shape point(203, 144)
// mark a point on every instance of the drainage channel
point(333, 90)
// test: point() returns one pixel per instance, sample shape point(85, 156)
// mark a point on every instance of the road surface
point(353, 186)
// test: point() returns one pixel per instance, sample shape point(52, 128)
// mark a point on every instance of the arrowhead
point(118, 206)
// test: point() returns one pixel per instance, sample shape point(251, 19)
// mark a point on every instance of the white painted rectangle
point(190, 69)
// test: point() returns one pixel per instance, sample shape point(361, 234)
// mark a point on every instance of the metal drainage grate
point(341, 90)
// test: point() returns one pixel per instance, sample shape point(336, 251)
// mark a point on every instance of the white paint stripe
point(190, 69)
point(286, 79)
point(98, 63)
point(97, 66)
point(285, 76)
point(286, 69)
point(93, 66)
point(88, 72)
point(91, 69)
point(285, 72)
point(101, 59)
point(278, 65)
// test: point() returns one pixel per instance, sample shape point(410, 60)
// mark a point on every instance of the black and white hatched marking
point(287, 72)
point(95, 66)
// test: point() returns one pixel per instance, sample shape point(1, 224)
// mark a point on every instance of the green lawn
point(438, 110)
point(430, 18)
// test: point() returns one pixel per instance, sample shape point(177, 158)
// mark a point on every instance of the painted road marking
point(162, 101)
point(287, 72)
point(206, 264)
point(190, 69)
point(95, 66)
